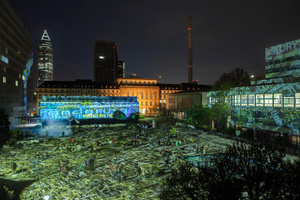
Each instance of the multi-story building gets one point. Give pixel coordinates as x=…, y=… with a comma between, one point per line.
x=145, y=89
x=45, y=59
x=120, y=73
x=271, y=106
x=150, y=95
x=105, y=61
x=16, y=81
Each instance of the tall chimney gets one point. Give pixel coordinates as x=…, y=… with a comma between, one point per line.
x=190, y=50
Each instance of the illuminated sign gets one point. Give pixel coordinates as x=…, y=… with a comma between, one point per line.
x=79, y=107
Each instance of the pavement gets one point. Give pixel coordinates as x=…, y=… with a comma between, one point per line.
x=136, y=172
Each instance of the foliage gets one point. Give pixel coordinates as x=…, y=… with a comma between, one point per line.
x=220, y=112
x=247, y=135
x=280, y=140
x=255, y=169
x=183, y=183
x=229, y=131
x=292, y=180
x=236, y=78
x=199, y=114
x=15, y=135
x=4, y=127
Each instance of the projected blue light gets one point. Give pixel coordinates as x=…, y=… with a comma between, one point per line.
x=60, y=108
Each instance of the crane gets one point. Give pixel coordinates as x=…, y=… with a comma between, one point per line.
x=159, y=76
x=133, y=74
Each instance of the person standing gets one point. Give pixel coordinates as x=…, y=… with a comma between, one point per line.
x=14, y=167
x=135, y=142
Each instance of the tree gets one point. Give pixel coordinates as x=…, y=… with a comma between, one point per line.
x=236, y=78
x=258, y=170
x=4, y=127
x=220, y=112
x=199, y=114
x=184, y=182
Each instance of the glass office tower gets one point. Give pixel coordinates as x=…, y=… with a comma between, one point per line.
x=45, y=59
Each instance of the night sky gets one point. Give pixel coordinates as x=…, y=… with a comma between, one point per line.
x=152, y=35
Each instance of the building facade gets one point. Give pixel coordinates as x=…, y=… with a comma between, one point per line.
x=45, y=59
x=120, y=69
x=105, y=61
x=150, y=95
x=16, y=81
x=270, y=106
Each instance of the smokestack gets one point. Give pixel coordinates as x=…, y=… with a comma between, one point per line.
x=190, y=50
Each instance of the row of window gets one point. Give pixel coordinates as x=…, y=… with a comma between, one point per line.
x=267, y=100
x=146, y=103
x=4, y=81
x=138, y=82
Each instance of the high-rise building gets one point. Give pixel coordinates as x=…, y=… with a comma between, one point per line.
x=16, y=81
x=45, y=59
x=105, y=61
x=120, y=69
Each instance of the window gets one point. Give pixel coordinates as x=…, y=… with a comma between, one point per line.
x=4, y=59
x=40, y=96
x=277, y=100
x=146, y=96
x=288, y=101
x=259, y=100
x=268, y=100
x=297, y=96
x=146, y=103
x=150, y=103
x=244, y=100
x=251, y=100
x=4, y=79
x=142, y=103
x=151, y=96
x=237, y=100
x=16, y=83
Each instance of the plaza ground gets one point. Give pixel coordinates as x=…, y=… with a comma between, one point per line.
x=109, y=178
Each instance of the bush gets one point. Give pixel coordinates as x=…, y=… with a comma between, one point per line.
x=279, y=140
x=246, y=135
x=229, y=131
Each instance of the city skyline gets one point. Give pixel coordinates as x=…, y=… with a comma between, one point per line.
x=152, y=36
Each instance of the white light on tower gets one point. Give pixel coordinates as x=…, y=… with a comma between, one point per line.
x=101, y=57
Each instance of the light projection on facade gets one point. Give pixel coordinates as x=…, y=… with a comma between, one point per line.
x=271, y=104
x=26, y=75
x=45, y=59
x=283, y=60
x=89, y=109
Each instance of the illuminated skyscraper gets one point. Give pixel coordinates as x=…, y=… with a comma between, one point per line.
x=105, y=61
x=45, y=59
